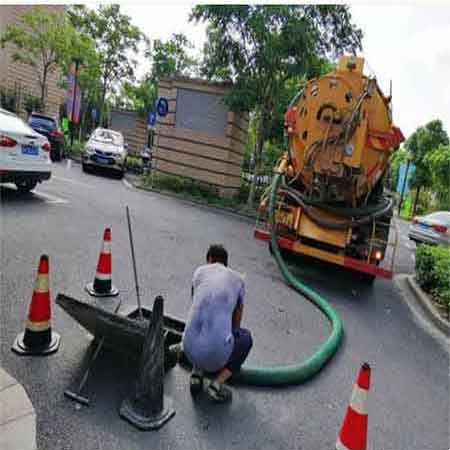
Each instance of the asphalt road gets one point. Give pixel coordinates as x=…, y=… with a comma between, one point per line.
x=409, y=397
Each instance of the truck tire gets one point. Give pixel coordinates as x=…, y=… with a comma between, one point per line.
x=367, y=278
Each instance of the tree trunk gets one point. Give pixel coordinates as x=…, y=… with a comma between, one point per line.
x=102, y=105
x=44, y=90
x=257, y=156
x=416, y=200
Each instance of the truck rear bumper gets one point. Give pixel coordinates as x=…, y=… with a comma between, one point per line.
x=335, y=258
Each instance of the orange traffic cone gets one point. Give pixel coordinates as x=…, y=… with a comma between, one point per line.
x=102, y=285
x=353, y=434
x=38, y=338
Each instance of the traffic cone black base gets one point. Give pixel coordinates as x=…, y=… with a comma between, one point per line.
x=20, y=348
x=144, y=423
x=147, y=408
x=113, y=292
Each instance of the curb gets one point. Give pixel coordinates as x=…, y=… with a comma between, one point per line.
x=17, y=415
x=428, y=306
x=231, y=212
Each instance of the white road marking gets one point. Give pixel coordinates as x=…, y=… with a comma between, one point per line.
x=413, y=256
x=50, y=198
x=69, y=164
x=410, y=245
x=127, y=184
x=69, y=180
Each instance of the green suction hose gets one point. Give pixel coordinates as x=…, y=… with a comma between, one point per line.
x=298, y=372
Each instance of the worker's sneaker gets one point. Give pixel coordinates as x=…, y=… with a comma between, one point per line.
x=176, y=351
x=219, y=393
x=196, y=384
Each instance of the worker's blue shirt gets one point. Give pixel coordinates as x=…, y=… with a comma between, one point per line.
x=208, y=339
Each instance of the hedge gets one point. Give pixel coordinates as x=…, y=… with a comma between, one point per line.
x=433, y=271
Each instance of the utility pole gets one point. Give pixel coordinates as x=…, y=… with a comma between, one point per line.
x=74, y=96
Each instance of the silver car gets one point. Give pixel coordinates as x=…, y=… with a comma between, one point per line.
x=105, y=148
x=433, y=228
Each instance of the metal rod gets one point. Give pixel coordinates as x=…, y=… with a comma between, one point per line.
x=77, y=395
x=134, y=265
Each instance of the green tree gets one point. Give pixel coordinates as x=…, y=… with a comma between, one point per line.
x=260, y=47
x=140, y=97
x=423, y=141
x=43, y=41
x=117, y=40
x=438, y=161
x=170, y=58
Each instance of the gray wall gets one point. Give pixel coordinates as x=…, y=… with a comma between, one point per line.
x=200, y=111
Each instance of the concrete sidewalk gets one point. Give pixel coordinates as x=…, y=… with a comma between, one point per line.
x=17, y=416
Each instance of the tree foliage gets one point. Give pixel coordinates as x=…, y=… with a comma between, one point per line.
x=140, y=97
x=438, y=161
x=423, y=141
x=117, y=40
x=260, y=47
x=45, y=40
x=170, y=58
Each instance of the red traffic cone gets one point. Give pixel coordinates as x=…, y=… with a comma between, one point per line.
x=38, y=338
x=353, y=434
x=102, y=285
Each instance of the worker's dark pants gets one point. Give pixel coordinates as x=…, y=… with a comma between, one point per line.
x=242, y=344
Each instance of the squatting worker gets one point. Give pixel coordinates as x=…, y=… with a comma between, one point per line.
x=213, y=340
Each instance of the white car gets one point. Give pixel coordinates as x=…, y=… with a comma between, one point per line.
x=105, y=148
x=24, y=154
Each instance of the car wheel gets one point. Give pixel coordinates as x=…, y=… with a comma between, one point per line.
x=25, y=186
x=58, y=153
x=120, y=174
x=84, y=167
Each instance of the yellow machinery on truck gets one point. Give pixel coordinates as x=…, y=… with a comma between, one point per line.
x=331, y=205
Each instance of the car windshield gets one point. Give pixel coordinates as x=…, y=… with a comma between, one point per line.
x=107, y=137
x=441, y=216
x=44, y=122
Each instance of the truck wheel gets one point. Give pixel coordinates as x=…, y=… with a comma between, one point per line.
x=367, y=278
x=25, y=186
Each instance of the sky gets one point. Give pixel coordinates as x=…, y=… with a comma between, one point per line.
x=408, y=43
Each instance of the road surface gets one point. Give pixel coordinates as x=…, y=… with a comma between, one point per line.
x=65, y=218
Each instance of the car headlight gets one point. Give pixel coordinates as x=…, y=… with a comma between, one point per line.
x=89, y=149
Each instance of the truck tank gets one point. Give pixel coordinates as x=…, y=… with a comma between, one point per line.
x=340, y=138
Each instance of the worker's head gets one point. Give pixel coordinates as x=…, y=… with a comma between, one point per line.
x=217, y=254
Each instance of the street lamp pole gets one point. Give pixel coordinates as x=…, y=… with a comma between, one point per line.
x=74, y=96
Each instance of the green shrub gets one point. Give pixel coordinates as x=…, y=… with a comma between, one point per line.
x=75, y=149
x=433, y=271
x=133, y=163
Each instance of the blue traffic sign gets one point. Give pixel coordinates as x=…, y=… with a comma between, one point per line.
x=152, y=118
x=162, y=106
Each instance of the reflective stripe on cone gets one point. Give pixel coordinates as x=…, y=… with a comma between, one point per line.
x=353, y=433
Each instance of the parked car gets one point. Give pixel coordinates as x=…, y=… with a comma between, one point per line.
x=48, y=127
x=433, y=228
x=105, y=148
x=24, y=154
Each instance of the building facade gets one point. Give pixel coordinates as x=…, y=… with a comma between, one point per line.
x=21, y=80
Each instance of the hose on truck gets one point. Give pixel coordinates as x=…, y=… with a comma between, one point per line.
x=302, y=370
x=342, y=225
